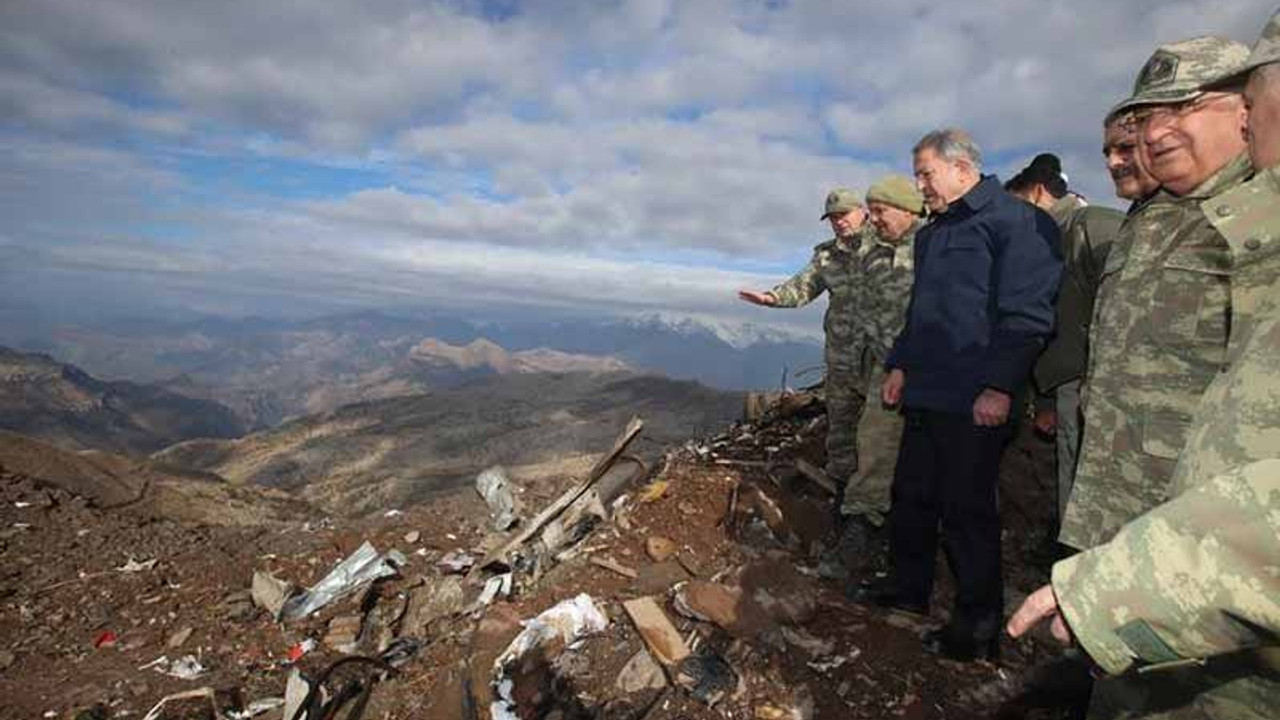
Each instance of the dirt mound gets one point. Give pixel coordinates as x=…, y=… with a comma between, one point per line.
x=720, y=539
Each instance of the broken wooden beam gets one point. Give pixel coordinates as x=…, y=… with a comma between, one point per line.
x=614, y=566
x=817, y=475
x=564, y=501
x=655, y=627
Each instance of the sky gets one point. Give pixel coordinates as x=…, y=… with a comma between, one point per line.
x=271, y=157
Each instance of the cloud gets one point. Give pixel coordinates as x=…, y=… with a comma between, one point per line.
x=640, y=153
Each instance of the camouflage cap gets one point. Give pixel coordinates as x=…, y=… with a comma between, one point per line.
x=1183, y=71
x=841, y=200
x=1267, y=49
x=898, y=191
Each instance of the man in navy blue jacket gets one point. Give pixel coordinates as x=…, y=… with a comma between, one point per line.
x=982, y=307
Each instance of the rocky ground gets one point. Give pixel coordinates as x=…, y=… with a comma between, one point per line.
x=723, y=535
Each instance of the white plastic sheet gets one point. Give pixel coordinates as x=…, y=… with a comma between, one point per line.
x=569, y=620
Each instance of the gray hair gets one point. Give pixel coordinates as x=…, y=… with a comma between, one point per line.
x=952, y=144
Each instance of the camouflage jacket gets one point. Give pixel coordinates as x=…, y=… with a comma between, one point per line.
x=1087, y=234
x=833, y=269
x=1199, y=576
x=1159, y=337
x=887, y=271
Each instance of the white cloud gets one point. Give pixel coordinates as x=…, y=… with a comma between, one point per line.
x=544, y=152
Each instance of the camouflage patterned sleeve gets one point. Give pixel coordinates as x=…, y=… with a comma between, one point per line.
x=1195, y=577
x=803, y=287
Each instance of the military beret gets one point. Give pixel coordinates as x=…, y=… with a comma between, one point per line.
x=898, y=191
x=1183, y=71
x=840, y=200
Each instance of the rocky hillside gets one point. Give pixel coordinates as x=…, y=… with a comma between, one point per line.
x=62, y=405
x=392, y=453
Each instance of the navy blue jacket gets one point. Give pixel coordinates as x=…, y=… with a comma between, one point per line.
x=987, y=274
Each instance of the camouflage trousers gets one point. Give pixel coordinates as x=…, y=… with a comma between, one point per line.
x=845, y=389
x=879, y=436
x=1239, y=686
x=1067, y=439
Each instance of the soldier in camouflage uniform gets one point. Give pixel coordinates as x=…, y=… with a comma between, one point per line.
x=885, y=275
x=1162, y=313
x=1087, y=234
x=833, y=270
x=1194, y=585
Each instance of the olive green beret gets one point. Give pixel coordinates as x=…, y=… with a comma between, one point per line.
x=898, y=191
x=840, y=200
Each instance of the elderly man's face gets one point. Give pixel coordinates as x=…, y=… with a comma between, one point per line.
x=889, y=221
x=1262, y=97
x=1183, y=144
x=1120, y=150
x=847, y=223
x=940, y=180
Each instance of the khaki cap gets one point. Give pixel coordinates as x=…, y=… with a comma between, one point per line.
x=1267, y=49
x=840, y=200
x=898, y=191
x=1183, y=71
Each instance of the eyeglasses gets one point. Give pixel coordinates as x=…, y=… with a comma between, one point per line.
x=1179, y=110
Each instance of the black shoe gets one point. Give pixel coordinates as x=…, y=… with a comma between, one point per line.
x=884, y=594
x=965, y=641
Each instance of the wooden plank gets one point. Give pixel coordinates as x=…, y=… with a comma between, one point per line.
x=655, y=627
x=613, y=565
x=817, y=475
x=564, y=501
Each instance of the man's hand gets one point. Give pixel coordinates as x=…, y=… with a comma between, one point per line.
x=1046, y=422
x=1039, y=606
x=891, y=389
x=758, y=298
x=991, y=409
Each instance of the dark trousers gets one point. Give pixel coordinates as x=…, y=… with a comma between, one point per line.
x=946, y=480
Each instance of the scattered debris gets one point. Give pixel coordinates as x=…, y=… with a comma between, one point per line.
x=709, y=602
x=256, y=708
x=360, y=568
x=567, y=622
x=105, y=639
x=614, y=566
x=133, y=566
x=653, y=491
x=412, y=537
x=300, y=649
x=498, y=585
x=204, y=692
x=818, y=476
x=495, y=488
x=655, y=627
x=706, y=676
x=177, y=639
x=660, y=548
x=641, y=672
x=186, y=667
x=456, y=561
x=270, y=593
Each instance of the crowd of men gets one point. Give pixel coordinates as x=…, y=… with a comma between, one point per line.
x=1150, y=344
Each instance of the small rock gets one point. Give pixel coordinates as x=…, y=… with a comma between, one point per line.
x=641, y=672
x=344, y=631
x=177, y=639
x=657, y=578
x=269, y=592
x=456, y=561
x=7, y=659
x=709, y=602
x=660, y=548
x=412, y=537
x=686, y=508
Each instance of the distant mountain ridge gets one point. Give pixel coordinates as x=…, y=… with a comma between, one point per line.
x=389, y=453
x=65, y=406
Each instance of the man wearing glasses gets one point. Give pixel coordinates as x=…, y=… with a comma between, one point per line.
x=1163, y=307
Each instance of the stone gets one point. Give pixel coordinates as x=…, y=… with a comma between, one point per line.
x=709, y=602
x=656, y=579
x=270, y=592
x=641, y=672
x=344, y=632
x=7, y=659
x=659, y=548
x=431, y=602
x=177, y=639
x=412, y=537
